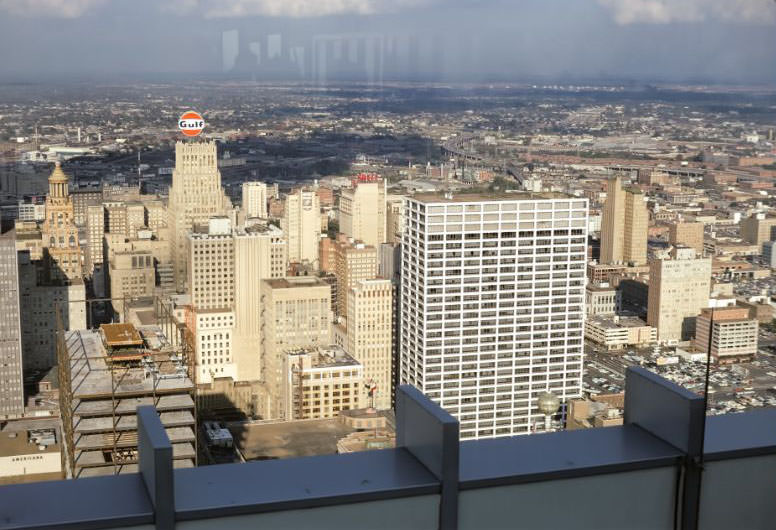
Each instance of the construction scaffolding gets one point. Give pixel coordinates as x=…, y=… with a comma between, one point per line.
x=106, y=372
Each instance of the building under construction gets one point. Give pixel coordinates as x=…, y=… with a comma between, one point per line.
x=105, y=374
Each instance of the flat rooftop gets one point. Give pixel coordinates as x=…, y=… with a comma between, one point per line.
x=296, y=282
x=501, y=196
x=290, y=439
x=623, y=322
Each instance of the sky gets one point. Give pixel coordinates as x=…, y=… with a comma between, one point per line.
x=725, y=41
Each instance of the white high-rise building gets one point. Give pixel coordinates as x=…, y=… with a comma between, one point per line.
x=492, y=305
x=254, y=199
x=302, y=225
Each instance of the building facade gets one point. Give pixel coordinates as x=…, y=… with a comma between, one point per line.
x=733, y=335
x=195, y=196
x=624, y=225
x=492, y=305
x=370, y=336
x=302, y=225
x=11, y=380
x=686, y=234
x=62, y=250
x=362, y=210
x=678, y=290
x=254, y=199
x=353, y=261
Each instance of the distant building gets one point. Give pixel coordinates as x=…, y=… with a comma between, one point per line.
x=254, y=199
x=602, y=299
x=394, y=218
x=678, y=290
x=362, y=210
x=616, y=333
x=320, y=382
x=769, y=254
x=733, y=335
x=687, y=234
x=195, y=196
x=354, y=261
x=757, y=229
x=624, y=225
x=302, y=225
x=62, y=250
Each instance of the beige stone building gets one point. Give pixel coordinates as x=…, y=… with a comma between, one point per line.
x=354, y=261
x=370, y=336
x=296, y=313
x=686, y=234
x=678, y=290
x=61, y=248
x=301, y=223
x=320, y=382
x=254, y=199
x=757, y=229
x=132, y=276
x=733, y=336
x=362, y=210
x=624, y=225
x=261, y=252
x=195, y=196
x=601, y=299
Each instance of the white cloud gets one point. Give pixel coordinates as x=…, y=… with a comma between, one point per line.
x=666, y=11
x=304, y=8
x=49, y=8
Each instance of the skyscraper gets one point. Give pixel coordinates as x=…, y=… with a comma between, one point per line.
x=624, y=225
x=11, y=381
x=370, y=336
x=302, y=225
x=362, y=210
x=254, y=199
x=678, y=290
x=492, y=305
x=62, y=254
x=195, y=196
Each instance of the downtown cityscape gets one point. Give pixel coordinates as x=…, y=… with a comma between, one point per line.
x=373, y=278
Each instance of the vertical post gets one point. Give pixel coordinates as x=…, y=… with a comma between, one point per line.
x=677, y=416
x=431, y=434
x=155, y=463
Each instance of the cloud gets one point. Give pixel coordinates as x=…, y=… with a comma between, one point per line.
x=761, y=12
x=49, y=8
x=305, y=8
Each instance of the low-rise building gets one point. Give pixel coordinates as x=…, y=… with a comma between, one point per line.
x=616, y=333
x=733, y=335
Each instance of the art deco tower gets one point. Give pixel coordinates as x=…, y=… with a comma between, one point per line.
x=60, y=235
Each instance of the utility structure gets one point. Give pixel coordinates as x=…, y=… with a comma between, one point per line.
x=105, y=374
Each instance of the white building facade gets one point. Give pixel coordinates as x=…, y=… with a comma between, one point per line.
x=492, y=305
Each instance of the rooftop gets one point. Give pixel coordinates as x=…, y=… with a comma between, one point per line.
x=502, y=196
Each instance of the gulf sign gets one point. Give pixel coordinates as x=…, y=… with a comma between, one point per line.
x=191, y=123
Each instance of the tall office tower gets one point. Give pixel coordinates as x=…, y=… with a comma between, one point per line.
x=302, y=225
x=296, y=313
x=62, y=254
x=254, y=199
x=353, y=261
x=11, y=380
x=211, y=287
x=260, y=253
x=758, y=229
x=115, y=217
x=624, y=225
x=136, y=219
x=370, y=336
x=95, y=230
x=362, y=210
x=678, y=290
x=492, y=305
x=733, y=335
x=195, y=196
x=394, y=218
x=686, y=234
